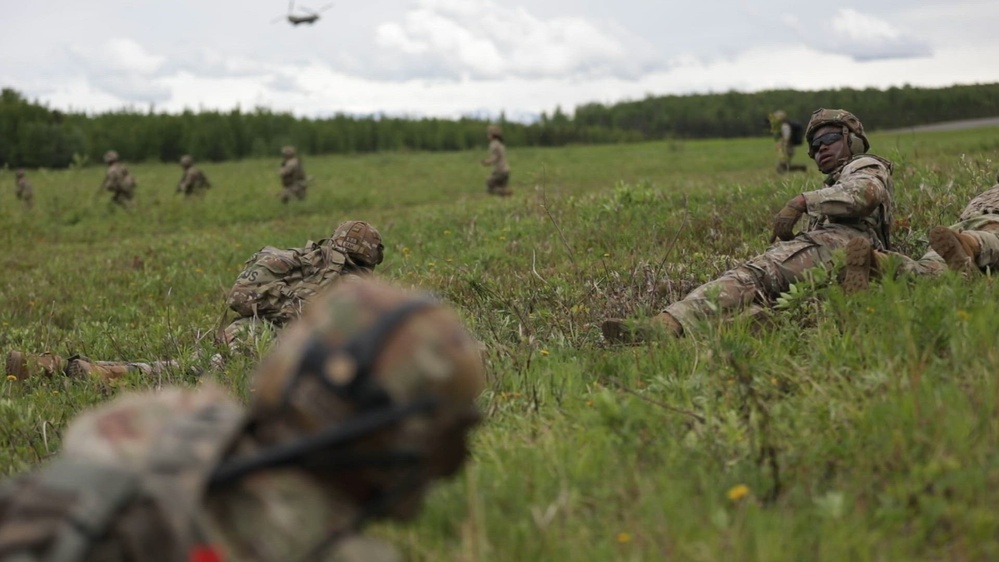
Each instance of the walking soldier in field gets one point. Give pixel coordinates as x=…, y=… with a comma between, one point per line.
x=361, y=408
x=970, y=246
x=24, y=190
x=855, y=201
x=193, y=181
x=788, y=134
x=118, y=180
x=498, y=182
x=293, y=179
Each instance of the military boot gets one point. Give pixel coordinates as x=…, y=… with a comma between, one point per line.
x=958, y=249
x=82, y=367
x=24, y=365
x=620, y=330
x=859, y=260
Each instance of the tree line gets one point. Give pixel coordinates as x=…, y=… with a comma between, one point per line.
x=34, y=135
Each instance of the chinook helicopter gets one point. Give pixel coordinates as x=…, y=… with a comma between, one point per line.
x=305, y=15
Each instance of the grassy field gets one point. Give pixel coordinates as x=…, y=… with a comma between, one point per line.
x=860, y=428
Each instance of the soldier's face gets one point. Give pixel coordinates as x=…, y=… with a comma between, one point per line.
x=831, y=147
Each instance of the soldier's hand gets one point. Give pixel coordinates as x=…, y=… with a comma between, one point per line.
x=788, y=217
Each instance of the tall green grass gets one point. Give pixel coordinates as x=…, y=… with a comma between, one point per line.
x=860, y=428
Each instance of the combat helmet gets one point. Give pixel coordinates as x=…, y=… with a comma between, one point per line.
x=19, y=173
x=288, y=151
x=110, y=156
x=494, y=131
x=186, y=161
x=360, y=241
x=852, y=127
x=372, y=392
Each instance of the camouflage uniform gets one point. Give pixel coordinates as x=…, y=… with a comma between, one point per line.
x=498, y=182
x=118, y=180
x=361, y=408
x=275, y=284
x=24, y=190
x=855, y=202
x=292, y=174
x=193, y=181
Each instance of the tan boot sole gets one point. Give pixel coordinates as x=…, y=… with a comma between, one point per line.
x=858, y=266
x=946, y=243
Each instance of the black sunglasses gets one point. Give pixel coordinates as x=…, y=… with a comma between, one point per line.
x=827, y=138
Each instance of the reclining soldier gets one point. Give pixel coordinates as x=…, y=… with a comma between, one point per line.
x=271, y=291
x=363, y=404
x=970, y=247
x=855, y=201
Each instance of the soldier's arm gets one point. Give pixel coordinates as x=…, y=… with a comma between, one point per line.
x=493, y=155
x=111, y=180
x=184, y=183
x=288, y=168
x=861, y=189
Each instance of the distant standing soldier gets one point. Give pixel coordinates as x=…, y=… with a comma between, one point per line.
x=193, y=181
x=355, y=415
x=24, y=190
x=118, y=180
x=498, y=182
x=293, y=177
x=788, y=134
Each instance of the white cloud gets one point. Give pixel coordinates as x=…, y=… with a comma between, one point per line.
x=483, y=39
x=865, y=38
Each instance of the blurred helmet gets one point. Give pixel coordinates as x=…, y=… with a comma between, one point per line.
x=186, y=161
x=379, y=385
x=852, y=126
x=288, y=151
x=779, y=115
x=19, y=173
x=360, y=241
x=494, y=131
x=110, y=156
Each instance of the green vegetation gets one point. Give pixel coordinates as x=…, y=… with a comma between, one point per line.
x=31, y=135
x=861, y=428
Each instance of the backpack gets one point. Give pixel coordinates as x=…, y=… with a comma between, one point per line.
x=75, y=509
x=797, y=133
x=275, y=283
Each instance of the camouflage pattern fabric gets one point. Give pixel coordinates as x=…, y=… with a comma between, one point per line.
x=498, y=181
x=293, y=179
x=193, y=182
x=25, y=192
x=121, y=182
x=856, y=202
x=986, y=203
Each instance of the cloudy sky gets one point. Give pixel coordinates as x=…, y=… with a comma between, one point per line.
x=478, y=57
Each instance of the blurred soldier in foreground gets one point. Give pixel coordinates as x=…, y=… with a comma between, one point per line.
x=270, y=292
x=193, y=181
x=118, y=180
x=498, y=182
x=855, y=201
x=293, y=180
x=365, y=403
x=24, y=190
x=971, y=246
x=788, y=134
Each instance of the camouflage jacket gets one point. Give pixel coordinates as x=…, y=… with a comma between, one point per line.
x=275, y=283
x=192, y=181
x=118, y=179
x=497, y=156
x=859, y=195
x=986, y=203
x=24, y=190
x=292, y=172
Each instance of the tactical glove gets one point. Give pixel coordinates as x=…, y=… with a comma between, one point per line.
x=787, y=217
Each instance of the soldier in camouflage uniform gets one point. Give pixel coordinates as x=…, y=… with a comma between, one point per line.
x=498, y=183
x=365, y=403
x=969, y=246
x=293, y=179
x=855, y=201
x=118, y=180
x=275, y=284
x=24, y=190
x=781, y=129
x=193, y=181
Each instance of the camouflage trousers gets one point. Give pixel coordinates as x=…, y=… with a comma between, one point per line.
x=498, y=183
x=984, y=229
x=763, y=278
x=123, y=198
x=293, y=191
x=248, y=332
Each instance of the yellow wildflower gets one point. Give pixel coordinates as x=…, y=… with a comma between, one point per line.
x=544, y=352
x=623, y=537
x=11, y=378
x=963, y=315
x=737, y=492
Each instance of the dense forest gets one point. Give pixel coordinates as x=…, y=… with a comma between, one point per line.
x=34, y=135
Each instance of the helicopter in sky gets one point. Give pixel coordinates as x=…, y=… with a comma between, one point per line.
x=305, y=15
